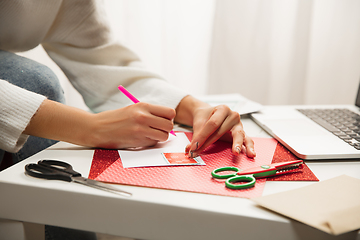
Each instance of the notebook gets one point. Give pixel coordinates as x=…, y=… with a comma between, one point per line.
x=315, y=132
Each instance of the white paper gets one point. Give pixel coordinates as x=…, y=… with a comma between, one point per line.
x=153, y=156
x=235, y=102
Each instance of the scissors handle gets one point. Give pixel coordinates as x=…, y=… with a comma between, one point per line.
x=52, y=170
x=248, y=179
x=233, y=170
x=233, y=178
x=59, y=166
x=40, y=171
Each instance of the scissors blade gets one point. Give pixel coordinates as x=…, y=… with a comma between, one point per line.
x=100, y=185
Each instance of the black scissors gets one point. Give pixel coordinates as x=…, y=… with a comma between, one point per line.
x=58, y=170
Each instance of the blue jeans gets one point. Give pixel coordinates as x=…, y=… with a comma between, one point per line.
x=34, y=77
x=38, y=78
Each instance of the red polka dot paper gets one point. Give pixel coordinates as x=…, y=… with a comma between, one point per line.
x=188, y=178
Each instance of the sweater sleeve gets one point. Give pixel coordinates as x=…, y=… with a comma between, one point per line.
x=17, y=108
x=80, y=42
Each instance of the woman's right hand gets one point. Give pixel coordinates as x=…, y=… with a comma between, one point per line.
x=137, y=125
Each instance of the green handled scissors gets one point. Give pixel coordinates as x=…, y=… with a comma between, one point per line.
x=249, y=176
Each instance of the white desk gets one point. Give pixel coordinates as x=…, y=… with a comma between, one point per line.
x=153, y=213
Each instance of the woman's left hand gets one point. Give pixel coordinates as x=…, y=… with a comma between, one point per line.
x=211, y=124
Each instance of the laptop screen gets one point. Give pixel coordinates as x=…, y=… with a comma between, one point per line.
x=357, y=102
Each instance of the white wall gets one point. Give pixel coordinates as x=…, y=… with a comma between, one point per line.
x=271, y=51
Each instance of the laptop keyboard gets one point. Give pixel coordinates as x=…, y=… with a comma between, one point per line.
x=341, y=122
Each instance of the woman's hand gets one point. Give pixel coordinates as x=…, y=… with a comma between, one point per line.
x=140, y=125
x=137, y=125
x=211, y=124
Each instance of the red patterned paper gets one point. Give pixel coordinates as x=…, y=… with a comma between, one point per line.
x=107, y=167
x=102, y=159
x=284, y=155
x=194, y=178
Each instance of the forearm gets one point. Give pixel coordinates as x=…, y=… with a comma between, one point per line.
x=137, y=125
x=57, y=121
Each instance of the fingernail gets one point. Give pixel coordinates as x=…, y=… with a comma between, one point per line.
x=238, y=149
x=193, y=154
x=197, y=146
x=253, y=151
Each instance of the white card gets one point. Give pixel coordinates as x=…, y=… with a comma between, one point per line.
x=153, y=156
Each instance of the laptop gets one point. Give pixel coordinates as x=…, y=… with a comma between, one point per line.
x=315, y=132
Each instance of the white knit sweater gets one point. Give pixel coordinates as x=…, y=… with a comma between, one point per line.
x=77, y=37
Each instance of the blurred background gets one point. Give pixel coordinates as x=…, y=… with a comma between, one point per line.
x=270, y=51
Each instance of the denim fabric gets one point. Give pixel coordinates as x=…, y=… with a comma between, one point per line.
x=34, y=77
x=38, y=78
